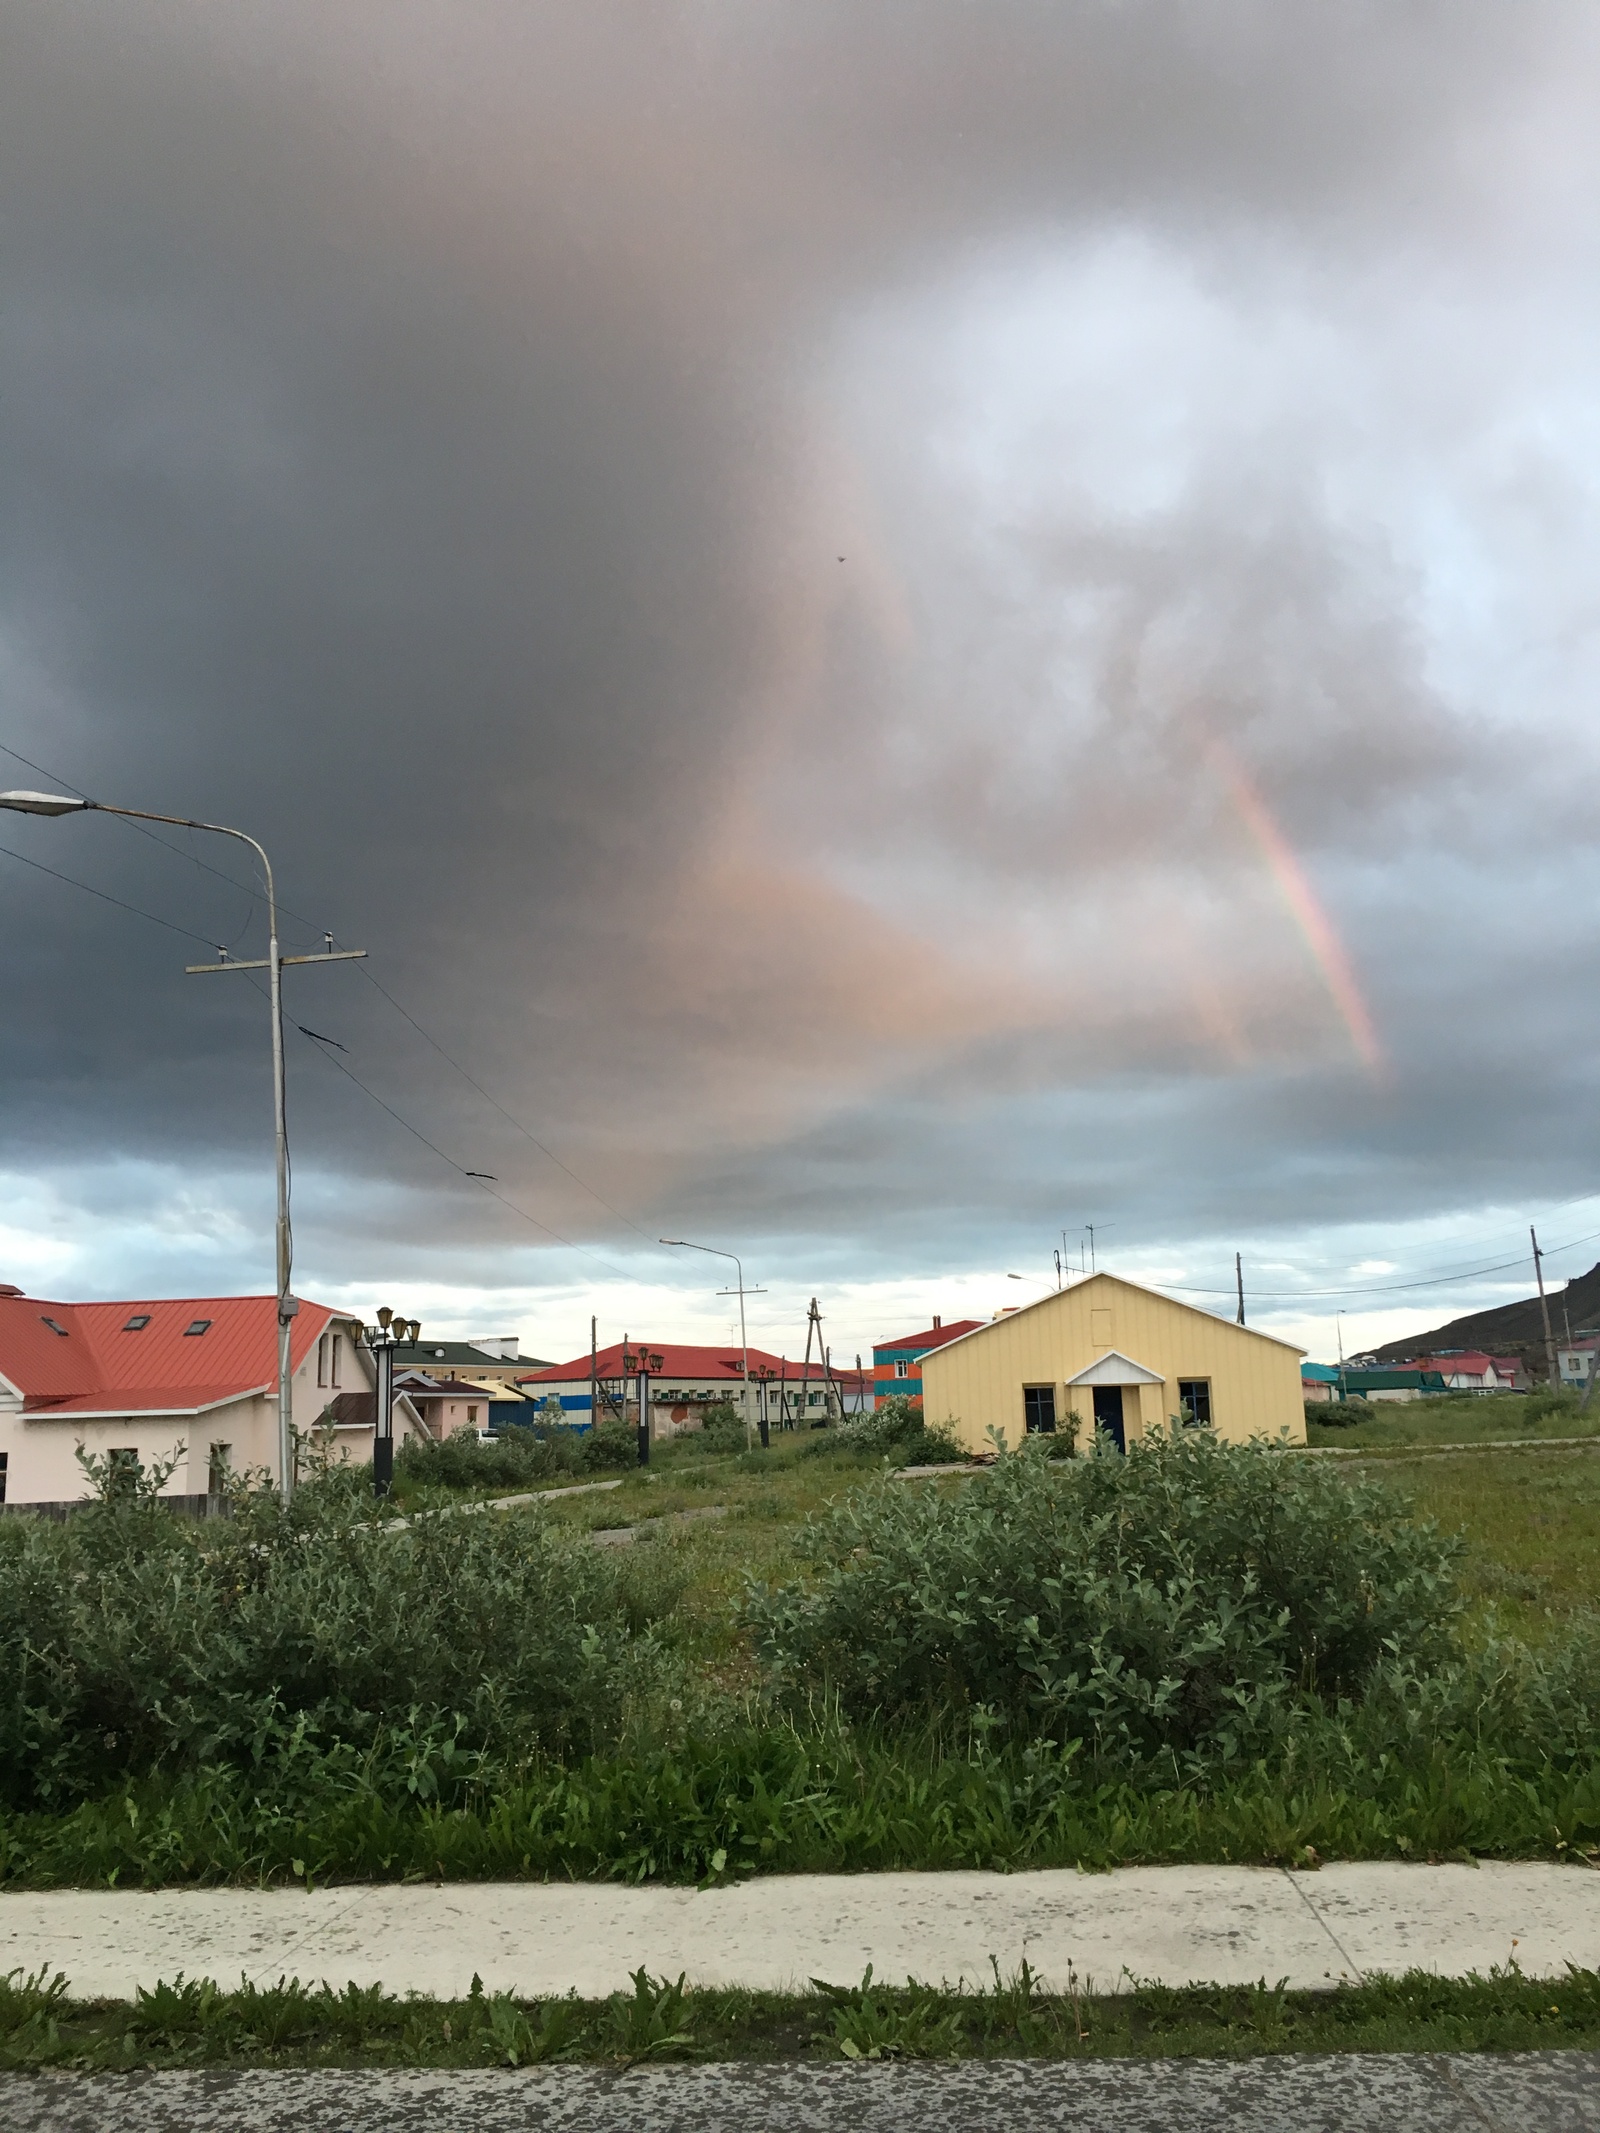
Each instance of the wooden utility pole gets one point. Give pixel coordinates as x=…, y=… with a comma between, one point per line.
x=1544, y=1310
x=1238, y=1275
x=594, y=1377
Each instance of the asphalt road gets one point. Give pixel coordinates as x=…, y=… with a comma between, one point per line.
x=1548, y=2092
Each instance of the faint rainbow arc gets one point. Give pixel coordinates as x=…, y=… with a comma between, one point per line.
x=1328, y=951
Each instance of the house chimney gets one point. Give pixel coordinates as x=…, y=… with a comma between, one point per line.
x=937, y=1322
x=7, y=1289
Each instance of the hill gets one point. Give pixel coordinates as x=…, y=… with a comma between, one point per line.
x=1508, y=1328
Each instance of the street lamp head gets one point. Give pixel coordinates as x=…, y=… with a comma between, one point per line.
x=42, y=803
x=670, y=1240
x=384, y=1316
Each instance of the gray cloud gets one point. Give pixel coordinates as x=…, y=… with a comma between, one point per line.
x=432, y=434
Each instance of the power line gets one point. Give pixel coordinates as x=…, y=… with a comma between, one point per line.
x=480, y=1178
x=73, y=883
x=427, y=1037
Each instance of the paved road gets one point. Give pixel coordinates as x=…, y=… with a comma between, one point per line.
x=1173, y=1925
x=1551, y=2092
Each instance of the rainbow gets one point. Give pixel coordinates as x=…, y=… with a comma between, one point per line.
x=1321, y=937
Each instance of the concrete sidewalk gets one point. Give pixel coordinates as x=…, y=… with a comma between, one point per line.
x=1172, y=1925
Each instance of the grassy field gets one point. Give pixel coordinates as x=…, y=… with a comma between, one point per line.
x=192, y=2023
x=1460, y=1418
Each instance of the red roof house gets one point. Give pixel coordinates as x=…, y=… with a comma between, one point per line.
x=148, y=1377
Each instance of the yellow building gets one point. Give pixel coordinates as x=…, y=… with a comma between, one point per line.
x=1125, y=1359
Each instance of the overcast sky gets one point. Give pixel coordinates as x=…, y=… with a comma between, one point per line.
x=901, y=627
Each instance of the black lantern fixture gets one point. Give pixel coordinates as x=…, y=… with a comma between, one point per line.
x=382, y=1339
x=643, y=1364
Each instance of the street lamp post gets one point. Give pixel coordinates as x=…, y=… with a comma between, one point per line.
x=682, y=1244
x=764, y=1374
x=383, y=1339
x=642, y=1363
x=49, y=803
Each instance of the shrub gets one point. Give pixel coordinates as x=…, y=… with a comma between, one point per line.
x=131, y=1641
x=522, y=1457
x=1175, y=1600
x=896, y=1429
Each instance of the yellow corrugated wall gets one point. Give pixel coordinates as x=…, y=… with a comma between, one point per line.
x=978, y=1381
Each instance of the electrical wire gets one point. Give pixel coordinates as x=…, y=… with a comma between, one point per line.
x=286, y=911
x=478, y=1177
x=321, y=1043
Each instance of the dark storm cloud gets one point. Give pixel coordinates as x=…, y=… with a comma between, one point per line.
x=431, y=435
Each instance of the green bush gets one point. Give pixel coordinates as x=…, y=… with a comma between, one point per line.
x=896, y=1429
x=131, y=1640
x=518, y=1458
x=1175, y=1601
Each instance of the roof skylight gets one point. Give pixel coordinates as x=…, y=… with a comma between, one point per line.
x=199, y=1325
x=54, y=1328
x=138, y=1322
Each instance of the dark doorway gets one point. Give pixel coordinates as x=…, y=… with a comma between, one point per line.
x=1108, y=1414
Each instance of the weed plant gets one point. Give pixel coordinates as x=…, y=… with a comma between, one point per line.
x=191, y=2022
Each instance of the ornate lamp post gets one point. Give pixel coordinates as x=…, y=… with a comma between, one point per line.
x=642, y=1363
x=763, y=1373
x=383, y=1339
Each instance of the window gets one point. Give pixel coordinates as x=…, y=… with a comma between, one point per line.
x=219, y=1468
x=199, y=1325
x=1194, y=1402
x=4, y=1456
x=1039, y=1408
x=902, y=1369
x=125, y=1469
x=322, y=1361
x=138, y=1322
x=336, y=1359
x=54, y=1328
x=472, y=1416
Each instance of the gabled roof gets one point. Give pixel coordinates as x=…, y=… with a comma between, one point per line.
x=1121, y=1281
x=934, y=1337
x=100, y=1362
x=1115, y=1368
x=692, y=1365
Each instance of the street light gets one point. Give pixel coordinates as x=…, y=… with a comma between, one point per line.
x=646, y=1363
x=682, y=1244
x=50, y=803
x=383, y=1339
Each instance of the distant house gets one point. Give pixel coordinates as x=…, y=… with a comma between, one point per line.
x=690, y=1380
x=1397, y=1384
x=1320, y=1381
x=897, y=1364
x=1126, y=1360
x=140, y=1380
x=491, y=1359
x=449, y=1403
x=1575, y=1360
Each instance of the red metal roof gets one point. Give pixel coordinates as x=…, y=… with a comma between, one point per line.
x=95, y=1363
x=708, y=1366
x=934, y=1337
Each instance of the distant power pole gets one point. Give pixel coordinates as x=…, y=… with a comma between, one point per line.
x=1544, y=1309
x=1238, y=1275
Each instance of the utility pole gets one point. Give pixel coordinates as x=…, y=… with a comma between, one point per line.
x=683, y=1244
x=594, y=1375
x=1238, y=1275
x=1344, y=1385
x=1057, y=1257
x=1089, y=1226
x=274, y=963
x=1544, y=1310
